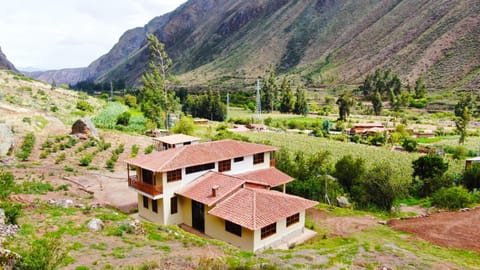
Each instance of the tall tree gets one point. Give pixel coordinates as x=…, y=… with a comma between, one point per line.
x=377, y=103
x=156, y=102
x=463, y=113
x=269, y=92
x=287, y=101
x=420, y=88
x=345, y=101
x=301, y=106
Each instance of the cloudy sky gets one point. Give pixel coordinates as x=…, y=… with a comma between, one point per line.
x=54, y=34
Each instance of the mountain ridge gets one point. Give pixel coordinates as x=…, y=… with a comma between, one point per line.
x=324, y=42
x=4, y=63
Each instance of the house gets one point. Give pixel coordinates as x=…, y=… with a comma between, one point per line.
x=174, y=141
x=229, y=190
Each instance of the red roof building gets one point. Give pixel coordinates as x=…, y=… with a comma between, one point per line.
x=222, y=189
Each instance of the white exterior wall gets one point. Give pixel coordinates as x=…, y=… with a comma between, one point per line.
x=283, y=233
x=148, y=214
x=169, y=192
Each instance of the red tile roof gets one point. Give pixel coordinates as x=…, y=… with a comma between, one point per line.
x=200, y=190
x=256, y=208
x=176, y=138
x=270, y=176
x=197, y=154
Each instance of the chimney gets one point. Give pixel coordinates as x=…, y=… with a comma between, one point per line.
x=214, y=190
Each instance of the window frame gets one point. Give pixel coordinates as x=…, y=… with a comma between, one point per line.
x=173, y=205
x=293, y=219
x=200, y=168
x=155, y=206
x=233, y=228
x=145, y=201
x=225, y=165
x=238, y=159
x=258, y=158
x=268, y=230
x=174, y=175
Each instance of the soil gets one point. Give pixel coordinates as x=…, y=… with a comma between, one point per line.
x=341, y=226
x=447, y=229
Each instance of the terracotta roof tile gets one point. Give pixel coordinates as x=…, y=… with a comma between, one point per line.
x=270, y=176
x=200, y=190
x=256, y=208
x=176, y=138
x=197, y=154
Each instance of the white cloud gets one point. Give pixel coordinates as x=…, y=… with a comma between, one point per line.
x=70, y=33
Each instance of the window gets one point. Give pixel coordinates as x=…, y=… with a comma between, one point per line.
x=187, y=143
x=238, y=159
x=147, y=176
x=155, y=206
x=173, y=205
x=258, y=158
x=174, y=175
x=199, y=168
x=293, y=219
x=145, y=202
x=224, y=166
x=233, y=228
x=268, y=230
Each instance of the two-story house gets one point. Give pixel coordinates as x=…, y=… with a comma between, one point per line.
x=220, y=188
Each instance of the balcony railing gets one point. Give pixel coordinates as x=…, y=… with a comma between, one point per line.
x=144, y=187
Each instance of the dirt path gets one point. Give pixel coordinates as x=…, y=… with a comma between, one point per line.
x=448, y=229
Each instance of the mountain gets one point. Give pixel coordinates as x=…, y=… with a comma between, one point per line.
x=323, y=42
x=4, y=63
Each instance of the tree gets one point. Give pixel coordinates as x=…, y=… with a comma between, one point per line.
x=420, y=88
x=286, y=101
x=269, y=92
x=463, y=114
x=349, y=171
x=377, y=103
x=184, y=126
x=301, y=106
x=378, y=185
x=156, y=102
x=428, y=174
x=345, y=101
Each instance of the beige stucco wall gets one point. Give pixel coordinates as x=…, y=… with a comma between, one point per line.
x=185, y=207
x=215, y=227
x=283, y=233
x=148, y=214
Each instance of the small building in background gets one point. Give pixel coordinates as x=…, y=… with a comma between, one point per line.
x=174, y=141
x=469, y=161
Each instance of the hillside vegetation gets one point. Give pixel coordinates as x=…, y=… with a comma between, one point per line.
x=324, y=43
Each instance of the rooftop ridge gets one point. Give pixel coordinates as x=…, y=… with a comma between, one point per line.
x=173, y=156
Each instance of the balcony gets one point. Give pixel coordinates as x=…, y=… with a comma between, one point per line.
x=143, y=187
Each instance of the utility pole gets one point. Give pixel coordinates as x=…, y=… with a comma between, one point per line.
x=259, y=103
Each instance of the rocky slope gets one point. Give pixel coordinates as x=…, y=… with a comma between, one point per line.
x=4, y=63
x=323, y=42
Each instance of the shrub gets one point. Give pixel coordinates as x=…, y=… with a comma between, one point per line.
x=26, y=147
x=452, y=198
x=185, y=126
x=86, y=159
x=149, y=149
x=7, y=184
x=110, y=164
x=471, y=177
x=83, y=105
x=410, y=144
x=60, y=158
x=12, y=211
x=48, y=252
x=120, y=149
x=123, y=119
x=459, y=152
x=135, y=149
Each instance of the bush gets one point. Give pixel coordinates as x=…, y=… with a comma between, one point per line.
x=7, y=184
x=110, y=164
x=123, y=119
x=83, y=105
x=135, y=149
x=60, y=158
x=48, y=252
x=459, y=152
x=410, y=144
x=119, y=149
x=149, y=149
x=86, y=160
x=184, y=126
x=12, y=211
x=26, y=147
x=452, y=198
x=471, y=177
